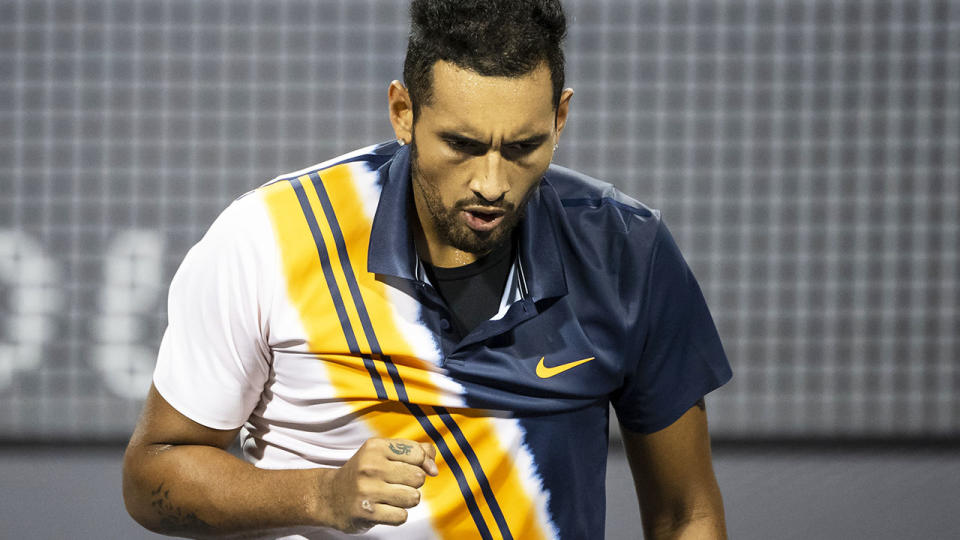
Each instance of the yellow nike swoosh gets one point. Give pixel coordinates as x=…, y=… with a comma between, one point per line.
x=545, y=372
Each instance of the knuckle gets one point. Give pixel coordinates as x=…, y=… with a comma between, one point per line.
x=374, y=443
x=367, y=469
x=417, y=451
x=370, y=465
x=419, y=478
x=365, y=489
x=411, y=498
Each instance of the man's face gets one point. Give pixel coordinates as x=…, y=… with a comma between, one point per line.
x=480, y=147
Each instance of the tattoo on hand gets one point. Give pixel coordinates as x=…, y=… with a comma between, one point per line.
x=173, y=518
x=400, y=449
x=702, y=404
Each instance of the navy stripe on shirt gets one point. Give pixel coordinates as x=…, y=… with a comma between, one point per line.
x=334, y=289
x=417, y=412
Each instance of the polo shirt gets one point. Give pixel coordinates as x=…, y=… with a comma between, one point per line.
x=305, y=317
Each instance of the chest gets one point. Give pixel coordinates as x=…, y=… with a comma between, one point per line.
x=533, y=358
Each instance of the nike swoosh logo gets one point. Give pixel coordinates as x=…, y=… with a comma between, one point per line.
x=545, y=372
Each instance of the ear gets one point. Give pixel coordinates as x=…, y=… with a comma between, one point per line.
x=563, y=108
x=401, y=111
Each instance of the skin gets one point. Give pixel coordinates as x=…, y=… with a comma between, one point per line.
x=178, y=478
x=482, y=144
x=673, y=475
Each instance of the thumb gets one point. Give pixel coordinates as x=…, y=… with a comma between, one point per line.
x=429, y=449
x=429, y=464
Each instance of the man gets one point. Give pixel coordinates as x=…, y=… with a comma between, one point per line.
x=421, y=339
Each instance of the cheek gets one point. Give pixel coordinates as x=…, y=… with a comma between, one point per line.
x=450, y=177
x=526, y=176
x=441, y=180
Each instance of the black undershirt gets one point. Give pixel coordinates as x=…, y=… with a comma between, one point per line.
x=473, y=292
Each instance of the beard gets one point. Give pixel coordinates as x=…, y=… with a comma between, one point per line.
x=448, y=222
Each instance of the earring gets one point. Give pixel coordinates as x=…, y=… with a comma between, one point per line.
x=401, y=142
x=556, y=146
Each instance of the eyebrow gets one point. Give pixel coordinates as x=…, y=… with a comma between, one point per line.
x=532, y=140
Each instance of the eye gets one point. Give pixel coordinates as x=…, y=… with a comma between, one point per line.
x=520, y=150
x=465, y=146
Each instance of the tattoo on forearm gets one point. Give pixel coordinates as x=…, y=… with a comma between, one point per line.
x=400, y=448
x=174, y=518
x=702, y=404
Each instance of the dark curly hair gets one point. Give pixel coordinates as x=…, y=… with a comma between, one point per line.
x=491, y=37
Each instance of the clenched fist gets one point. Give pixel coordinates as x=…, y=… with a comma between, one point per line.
x=378, y=484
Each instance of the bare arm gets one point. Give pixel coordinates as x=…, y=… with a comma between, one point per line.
x=676, y=486
x=178, y=479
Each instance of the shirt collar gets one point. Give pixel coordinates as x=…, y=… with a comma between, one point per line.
x=540, y=264
x=392, y=250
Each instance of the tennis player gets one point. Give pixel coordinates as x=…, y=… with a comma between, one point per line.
x=422, y=338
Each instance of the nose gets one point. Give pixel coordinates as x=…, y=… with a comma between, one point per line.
x=490, y=181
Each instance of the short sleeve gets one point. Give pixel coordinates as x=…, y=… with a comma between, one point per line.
x=679, y=357
x=214, y=358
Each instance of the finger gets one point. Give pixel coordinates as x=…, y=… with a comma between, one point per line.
x=429, y=464
x=404, y=450
x=398, y=495
x=404, y=474
x=386, y=514
x=429, y=449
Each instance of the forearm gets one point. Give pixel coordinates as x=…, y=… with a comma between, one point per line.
x=676, y=487
x=205, y=491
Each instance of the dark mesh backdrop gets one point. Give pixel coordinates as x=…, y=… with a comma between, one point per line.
x=806, y=155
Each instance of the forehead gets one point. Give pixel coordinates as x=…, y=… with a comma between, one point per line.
x=489, y=105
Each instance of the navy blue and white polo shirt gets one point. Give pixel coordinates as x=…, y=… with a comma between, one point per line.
x=304, y=315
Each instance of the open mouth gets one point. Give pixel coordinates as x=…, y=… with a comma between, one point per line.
x=483, y=219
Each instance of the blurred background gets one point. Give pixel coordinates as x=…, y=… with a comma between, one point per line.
x=805, y=154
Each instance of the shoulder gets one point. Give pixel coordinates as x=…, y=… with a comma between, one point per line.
x=591, y=207
x=243, y=222
x=238, y=245
x=249, y=228
x=352, y=183
x=607, y=240
x=370, y=158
